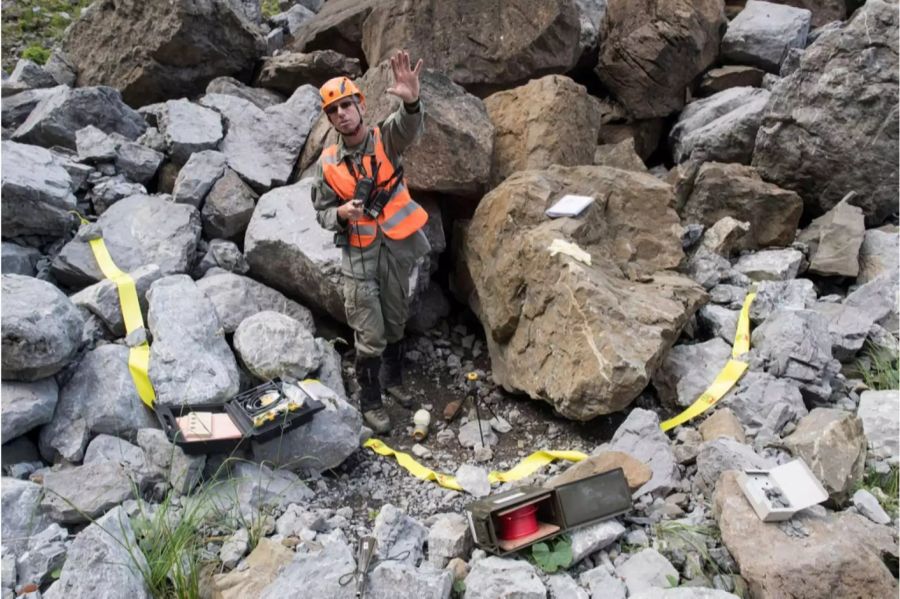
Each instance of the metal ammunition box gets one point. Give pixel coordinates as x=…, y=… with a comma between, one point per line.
x=560, y=509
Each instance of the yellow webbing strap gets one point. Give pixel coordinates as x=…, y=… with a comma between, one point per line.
x=727, y=377
x=138, y=356
x=524, y=468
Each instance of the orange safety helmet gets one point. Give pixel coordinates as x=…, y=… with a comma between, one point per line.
x=337, y=88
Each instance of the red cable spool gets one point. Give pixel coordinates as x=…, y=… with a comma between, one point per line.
x=518, y=523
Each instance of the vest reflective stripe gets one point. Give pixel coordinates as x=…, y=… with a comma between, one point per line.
x=400, y=217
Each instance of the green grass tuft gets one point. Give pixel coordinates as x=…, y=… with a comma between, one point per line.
x=878, y=367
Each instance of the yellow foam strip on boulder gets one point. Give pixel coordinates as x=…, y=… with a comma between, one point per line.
x=524, y=468
x=727, y=377
x=138, y=356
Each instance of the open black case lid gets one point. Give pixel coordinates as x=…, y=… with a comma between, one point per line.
x=597, y=497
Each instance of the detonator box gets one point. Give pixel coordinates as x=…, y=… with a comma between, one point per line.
x=550, y=511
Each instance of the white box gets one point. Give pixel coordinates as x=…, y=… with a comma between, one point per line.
x=793, y=484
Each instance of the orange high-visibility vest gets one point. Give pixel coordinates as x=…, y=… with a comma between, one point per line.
x=401, y=216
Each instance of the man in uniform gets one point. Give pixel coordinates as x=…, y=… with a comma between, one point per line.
x=360, y=194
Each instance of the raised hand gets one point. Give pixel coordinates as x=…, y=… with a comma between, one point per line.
x=406, y=80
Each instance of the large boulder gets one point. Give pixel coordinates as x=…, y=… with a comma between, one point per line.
x=652, y=50
x=102, y=299
x=154, y=51
x=26, y=405
x=288, y=250
x=137, y=230
x=36, y=192
x=565, y=302
x=16, y=108
x=190, y=362
x=480, y=45
x=838, y=105
x=494, y=577
x=289, y=70
x=22, y=512
x=453, y=155
x=258, y=95
x=531, y=131
x=763, y=33
x=83, y=493
x=236, y=298
x=262, y=146
x=18, y=259
x=688, y=369
x=840, y=555
x=738, y=191
x=834, y=241
x=338, y=27
x=764, y=404
x=880, y=415
x=878, y=254
x=833, y=444
x=270, y=345
x=56, y=119
x=823, y=11
x=640, y=436
x=99, y=398
x=228, y=208
x=187, y=128
x=41, y=328
x=722, y=127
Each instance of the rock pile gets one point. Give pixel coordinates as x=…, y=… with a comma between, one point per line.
x=730, y=148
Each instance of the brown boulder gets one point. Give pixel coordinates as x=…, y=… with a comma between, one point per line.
x=338, y=27
x=153, y=50
x=453, y=154
x=636, y=472
x=620, y=155
x=551, y=120
x=840, y=556
x=651, y=50
x=583, y=337
x=737, y=190
x=288, y=71
x=483, y=45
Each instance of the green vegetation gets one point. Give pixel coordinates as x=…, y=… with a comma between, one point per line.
x=552, y=555
x=877, y=366
x=270, y=8
x=885, y=487
x=31, y=27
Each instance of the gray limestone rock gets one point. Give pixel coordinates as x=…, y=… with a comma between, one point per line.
x=106, y=448
x=15, y=109
x=834, y=239
x=228, y=208
x=323, y=443
x=603, y=584
x=46, y=553
x=190, y=361
x=709, y=269
x=36, y=192
x=398, y=580
x=399, y=535
x=772, y=296
x=197, y=177
x=317, y=570
x=878, y=298
x=262, y=146
x=189, y=128
x=494, y=577
x=94, y=145
x=26, y=406
x=869, y=507
x=880, y=415
x=221, y=255
x=473, y=480
x=41, y=328
x=169, y=462
x=234, y=548
x=796, y=344
x=645, y=569
x=102, y=299
x=108, y=191
x=763, y=32
x=99, y=565
x=563, y=586
x=683, y=593
x=723, y=454
x=55, y=120
x=848, y=327
x=833, y=445
x=31, y=74
x=23, y=515
x=291, y=20
x=719, y=321
x=271, y=344
x=641, y=437
x=236, y=297
x=137, y=230
x=18, y=259
x=83, y=493
x=137, y=161
x=469, y=435
x=250, y=489
x=590, y=539
x=770, y=265
x=764, y=404
x=61, y=68
x=878, y=254
x=259, y=96
x=448, y=537
x=289, y=251
x=721, y=127
x=689, y=369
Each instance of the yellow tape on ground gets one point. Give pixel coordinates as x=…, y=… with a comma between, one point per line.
x=727, y=377
x=524, y=468
x=138, y=356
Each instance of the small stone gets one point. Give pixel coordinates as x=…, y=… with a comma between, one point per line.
x=474, y=480
x=483, y=454
x=234, y=548
x=421, y=451
x=869, y=507
x=722, y=423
